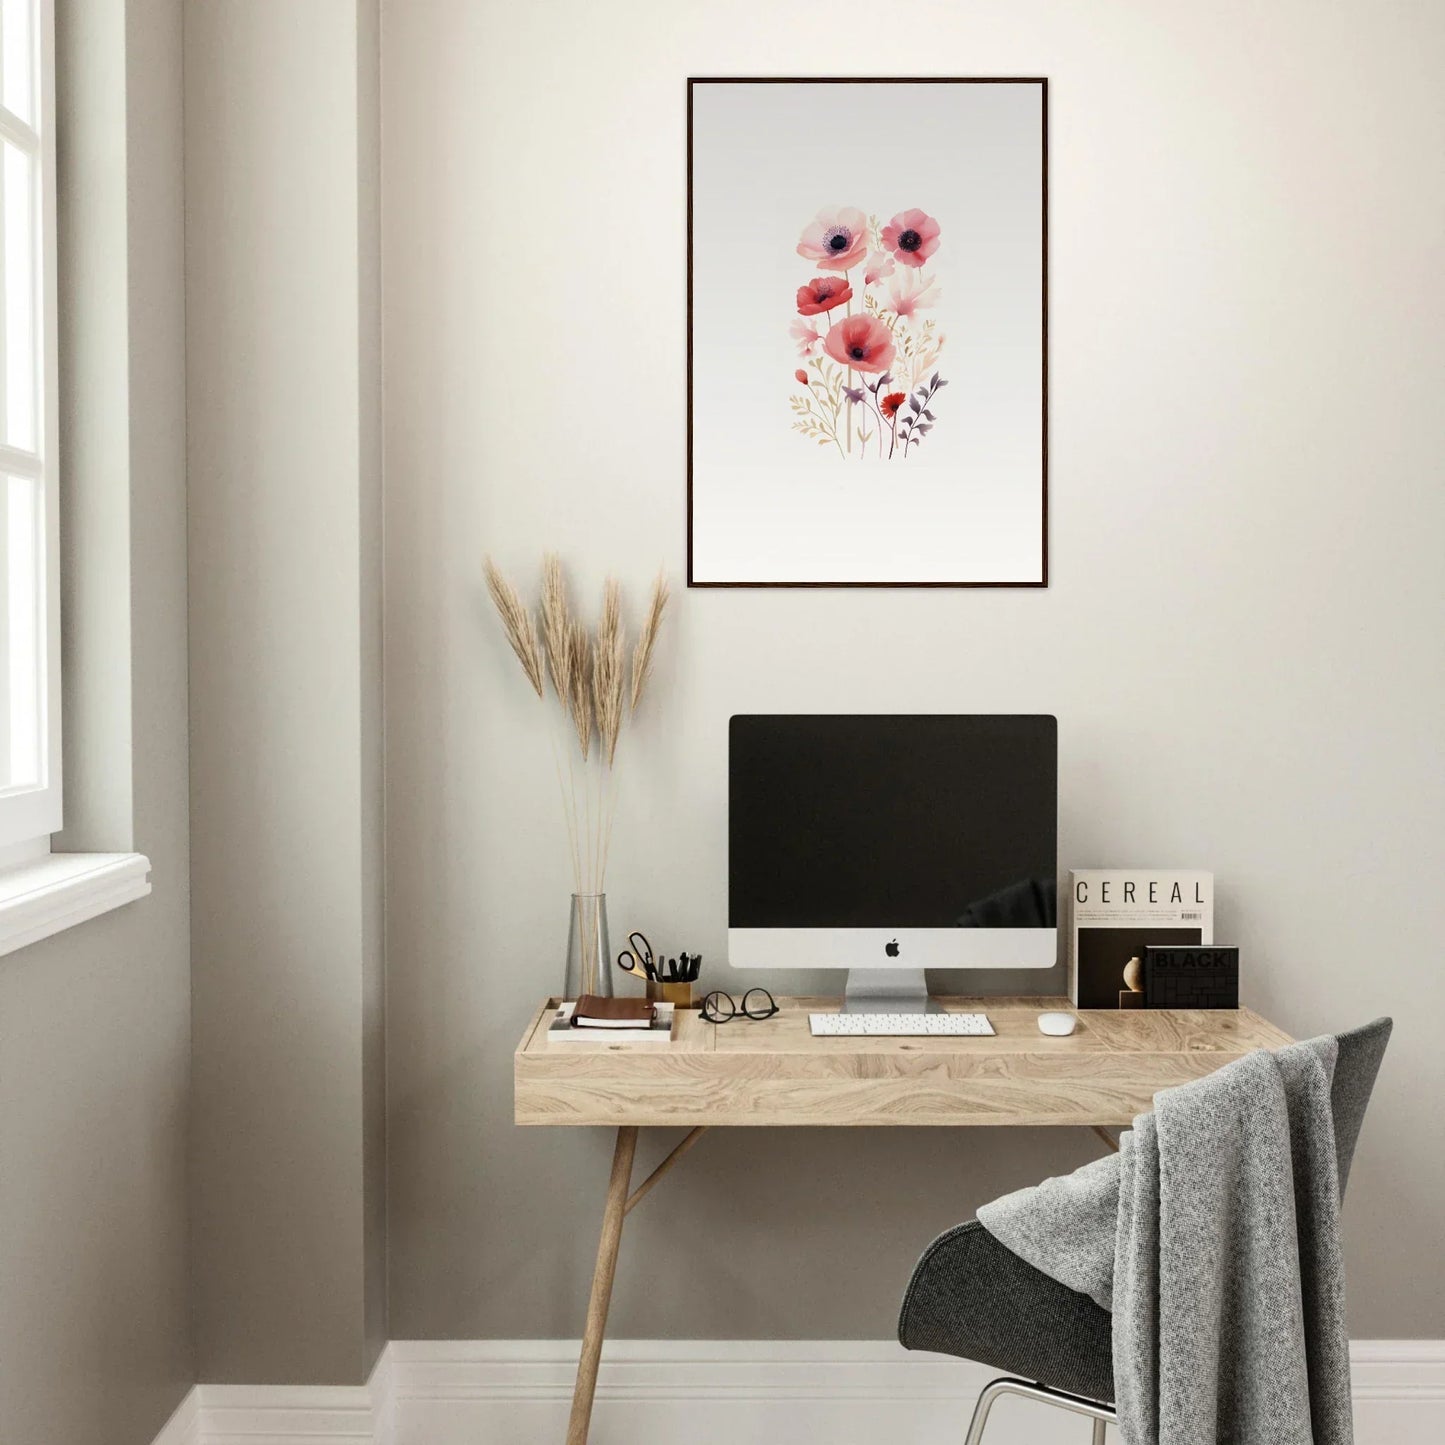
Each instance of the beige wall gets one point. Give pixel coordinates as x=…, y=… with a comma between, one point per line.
x=285, y=635
x=1241, y=640
x=94, y=1022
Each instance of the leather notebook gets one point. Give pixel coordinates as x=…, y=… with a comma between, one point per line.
x=593, y=1012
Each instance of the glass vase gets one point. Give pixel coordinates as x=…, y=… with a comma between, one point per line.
x=589, y=955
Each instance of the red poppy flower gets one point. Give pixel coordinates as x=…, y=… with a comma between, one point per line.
x=912, y=236
x=823, y=294
x=890, y=403
x=862, y=342
x=801, y=375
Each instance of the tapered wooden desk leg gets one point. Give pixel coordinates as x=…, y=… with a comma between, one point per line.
x=612, y=1214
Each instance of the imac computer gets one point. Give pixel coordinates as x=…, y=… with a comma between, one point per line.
x=887, y=845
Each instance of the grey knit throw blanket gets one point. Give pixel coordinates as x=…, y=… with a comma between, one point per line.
x=1213, y=1236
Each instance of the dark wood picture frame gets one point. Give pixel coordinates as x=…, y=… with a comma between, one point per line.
x=1043, y=84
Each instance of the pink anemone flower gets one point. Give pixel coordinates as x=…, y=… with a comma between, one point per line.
x=878, y=265
x=862, y=342
x=836, y=240
x=907, y=293
x=806, y=336
x=822, y=294
x=912, y=236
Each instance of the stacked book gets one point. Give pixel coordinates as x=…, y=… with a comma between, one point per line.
x=1119, y=915
x=611, y=1021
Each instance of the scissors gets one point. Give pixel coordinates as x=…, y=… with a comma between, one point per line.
x=637, y=958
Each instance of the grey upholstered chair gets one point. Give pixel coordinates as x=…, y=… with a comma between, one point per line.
x=972, y=1297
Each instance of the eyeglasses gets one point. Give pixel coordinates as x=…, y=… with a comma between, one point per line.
x=718, y=1007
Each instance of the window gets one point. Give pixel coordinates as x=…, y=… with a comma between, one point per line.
x=41, y=893
x=30, y=803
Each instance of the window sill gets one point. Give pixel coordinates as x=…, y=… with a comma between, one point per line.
x=63, y=889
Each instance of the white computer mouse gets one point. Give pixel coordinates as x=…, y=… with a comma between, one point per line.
x=1057, y=1024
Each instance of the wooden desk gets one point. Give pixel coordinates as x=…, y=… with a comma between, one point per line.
x=772, y=1073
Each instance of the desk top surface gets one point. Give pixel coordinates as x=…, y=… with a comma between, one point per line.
x=773, y=1072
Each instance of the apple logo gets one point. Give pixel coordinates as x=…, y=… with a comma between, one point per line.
x=891, y=948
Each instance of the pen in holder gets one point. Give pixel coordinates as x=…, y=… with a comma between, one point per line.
x=668, y=980
x=675, y=979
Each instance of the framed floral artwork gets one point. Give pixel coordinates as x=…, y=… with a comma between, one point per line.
x=867, y=333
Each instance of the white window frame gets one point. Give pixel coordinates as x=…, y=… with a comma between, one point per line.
x=42, y=892
x=29, y=815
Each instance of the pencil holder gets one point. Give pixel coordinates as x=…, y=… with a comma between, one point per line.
x=678, y=994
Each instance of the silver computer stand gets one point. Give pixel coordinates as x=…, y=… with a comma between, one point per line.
x=887, y=991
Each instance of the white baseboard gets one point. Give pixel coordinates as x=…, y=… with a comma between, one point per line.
x=1399, y=1391
x=700, y=1392
x=288, y=1415
x=714, y=1392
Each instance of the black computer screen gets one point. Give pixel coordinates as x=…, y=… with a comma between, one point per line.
x=892, y=822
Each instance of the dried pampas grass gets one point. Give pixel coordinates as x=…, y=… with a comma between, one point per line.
x=555, y=618
x=517, y=624
x=607, y=670
x=647, y=639
x=579, y=685
x=589, y=678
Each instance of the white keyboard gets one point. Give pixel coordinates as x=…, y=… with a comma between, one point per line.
x=899, y=1026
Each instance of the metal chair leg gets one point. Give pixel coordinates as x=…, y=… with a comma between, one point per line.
x=980, y=1410
x=1102, y=1415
